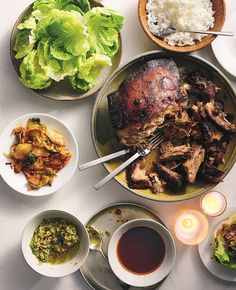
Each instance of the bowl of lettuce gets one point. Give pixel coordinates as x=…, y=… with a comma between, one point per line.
x=65, y=49
x=225, y=242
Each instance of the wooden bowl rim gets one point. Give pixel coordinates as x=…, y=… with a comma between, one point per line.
x=181, y=49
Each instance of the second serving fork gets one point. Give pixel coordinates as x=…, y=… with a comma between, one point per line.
x=140, y=152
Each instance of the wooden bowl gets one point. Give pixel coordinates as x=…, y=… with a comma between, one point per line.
x=220, y=11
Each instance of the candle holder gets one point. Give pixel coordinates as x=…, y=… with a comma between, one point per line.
x=213, y=203
x=191, y=227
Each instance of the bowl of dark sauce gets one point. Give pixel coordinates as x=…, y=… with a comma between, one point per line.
x=141, y=252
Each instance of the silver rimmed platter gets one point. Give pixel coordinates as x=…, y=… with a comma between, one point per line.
x=62, y=91
x=96, y=270
x=104, y=137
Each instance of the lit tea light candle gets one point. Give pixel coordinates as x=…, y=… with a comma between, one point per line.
x=213, y=203
x=191, y=227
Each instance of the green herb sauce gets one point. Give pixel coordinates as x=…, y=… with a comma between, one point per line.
x=55, y=241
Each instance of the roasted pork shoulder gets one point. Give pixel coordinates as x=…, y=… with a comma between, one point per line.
x=173, y=153
x=218, y=117
x=199, y=83
x=173, y=179
x=193, y=163
x=144, y=99
x=188, y=112
x=137, y=175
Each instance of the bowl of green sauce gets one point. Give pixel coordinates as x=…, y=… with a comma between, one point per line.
x=55, y=243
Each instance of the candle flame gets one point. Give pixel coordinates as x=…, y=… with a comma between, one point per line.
x=191, y=227
x=188, y=223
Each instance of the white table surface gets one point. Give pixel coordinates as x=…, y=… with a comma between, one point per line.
x=79, y=196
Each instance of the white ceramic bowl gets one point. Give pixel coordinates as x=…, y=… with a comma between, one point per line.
x=57, y=270
x=142, y=280
x=17, y=180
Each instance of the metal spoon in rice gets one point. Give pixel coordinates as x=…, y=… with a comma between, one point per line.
x=172, y=30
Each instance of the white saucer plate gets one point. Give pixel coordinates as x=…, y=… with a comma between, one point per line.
x=224, y=48
x=206, y=249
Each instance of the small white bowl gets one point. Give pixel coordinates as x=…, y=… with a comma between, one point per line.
x=142, y=280
x=57, y=270
x=17, y=180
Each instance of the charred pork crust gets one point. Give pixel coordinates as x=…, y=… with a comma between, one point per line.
x=215, y=152
x=173, y=179
x=193, y=163
x=210, y=133
x=158, y=185
x=218, y=117
x=137, y=175
x=213, y=112
x=148, y=91
x=212, y=173
x=202, y=85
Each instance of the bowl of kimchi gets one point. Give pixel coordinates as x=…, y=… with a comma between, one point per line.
x=38, y=155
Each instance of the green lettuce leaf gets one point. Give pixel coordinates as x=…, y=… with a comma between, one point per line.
x=29, y=23
x=62, y=37
x=103, y=26
x=81, y=6
x=225, y=256
x=66, y=39
x=220, y=251
x=88, y=71
x=68, y=32
x=22, y=44
x=32, y=76
x=57, y=50
x=25, y=38
x=54, y=68
x=41, y=32
x=222, y=254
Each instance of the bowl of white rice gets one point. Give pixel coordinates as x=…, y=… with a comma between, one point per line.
x=156, y=16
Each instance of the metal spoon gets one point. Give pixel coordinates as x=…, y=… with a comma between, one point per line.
x=172, y=30
x=96, y=245
x=95, y=241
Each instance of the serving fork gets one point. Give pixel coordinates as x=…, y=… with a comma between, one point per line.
x=114, y=155
x=105, y=158
x=142, y=151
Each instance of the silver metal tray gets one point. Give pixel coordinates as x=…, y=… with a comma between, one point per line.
x=96, y=271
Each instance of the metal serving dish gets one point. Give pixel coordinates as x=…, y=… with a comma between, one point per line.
x=103, y=134
x=96, y=270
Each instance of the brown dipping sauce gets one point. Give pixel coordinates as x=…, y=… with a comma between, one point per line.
x=141, y=250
